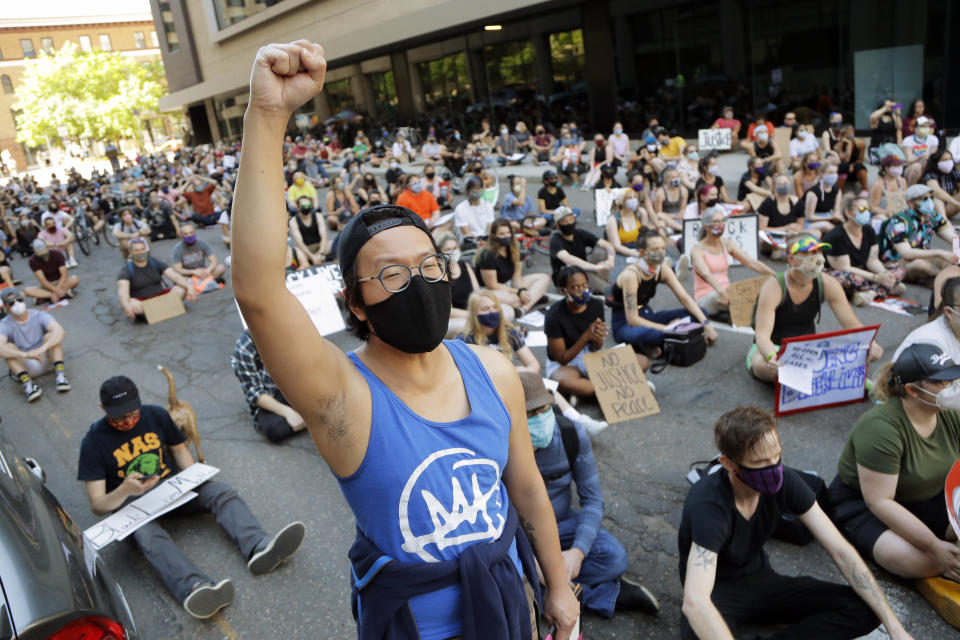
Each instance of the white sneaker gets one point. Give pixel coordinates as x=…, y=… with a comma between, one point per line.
x=592, y=426
x=683, y=267
x=652, y=386
x=72, y=263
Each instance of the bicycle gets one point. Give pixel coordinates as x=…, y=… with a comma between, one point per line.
x=83, y=231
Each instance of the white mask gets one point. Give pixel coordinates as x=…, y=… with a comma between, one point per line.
x=18, y=308
x=811, y=266
x=454, y=256
x=631, y=203
x=946, y=398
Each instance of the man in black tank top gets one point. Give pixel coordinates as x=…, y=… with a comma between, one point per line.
x=789, y=305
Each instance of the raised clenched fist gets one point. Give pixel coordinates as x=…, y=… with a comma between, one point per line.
x=284, y=77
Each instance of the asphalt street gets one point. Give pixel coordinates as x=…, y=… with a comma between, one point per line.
x=642, y=463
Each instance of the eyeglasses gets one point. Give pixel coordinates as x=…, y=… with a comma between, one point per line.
x=125, y=418
x=395, y=278
x=11, y=301
x=862, y=209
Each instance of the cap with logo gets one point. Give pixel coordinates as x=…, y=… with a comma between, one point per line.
x=119, y=396
x=534, y=391
x=924, y=362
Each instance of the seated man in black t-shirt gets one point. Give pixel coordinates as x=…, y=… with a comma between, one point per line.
x=729, y=515
x=49, y=266
x=127, y=453
x=142, y=278
x=551, y=197
x=569, y=245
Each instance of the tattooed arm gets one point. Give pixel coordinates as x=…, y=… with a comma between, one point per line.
x=853, y=568
x=697, y=587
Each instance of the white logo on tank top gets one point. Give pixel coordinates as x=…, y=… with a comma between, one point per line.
x=466, y=475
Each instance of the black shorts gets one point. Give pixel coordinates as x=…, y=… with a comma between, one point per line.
x=855, y=520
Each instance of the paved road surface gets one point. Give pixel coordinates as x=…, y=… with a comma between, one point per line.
x=642, y=464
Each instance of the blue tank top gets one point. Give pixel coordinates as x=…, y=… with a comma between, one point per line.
x=426, y=490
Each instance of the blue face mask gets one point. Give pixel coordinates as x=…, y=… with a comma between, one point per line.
x=926, y=207
x=863, y=218
x=491, y=320
x=542, y=427
x=582, y=298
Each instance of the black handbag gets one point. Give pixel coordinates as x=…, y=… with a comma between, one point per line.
x=683, y=345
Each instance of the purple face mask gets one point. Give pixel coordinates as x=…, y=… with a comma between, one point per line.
x=762, y=479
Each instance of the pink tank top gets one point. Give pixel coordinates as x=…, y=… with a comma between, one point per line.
x=719, y=269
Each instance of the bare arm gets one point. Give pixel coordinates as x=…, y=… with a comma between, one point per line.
x=528, y=361
x=701, y=613
x=278, y=87
x=103, y=503
x=853, y=568
x=746, y=259
x=703, y=270
x=766, y=309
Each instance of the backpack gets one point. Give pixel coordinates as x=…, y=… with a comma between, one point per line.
x=150, y=261
x=571, y=444
x=683, y=345
x=883, y=242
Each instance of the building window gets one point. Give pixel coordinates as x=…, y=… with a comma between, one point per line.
x=339, y=95
x=7, y=84
x=446, y=80
x=105, y=42
x=384, y=90
x=85, y=44
x=138, y=40
x=153, y=39
x=510, y=65
x=230, y=12
x=26, y=44
x=46, y=45
x=169, y=28
x=567, y=59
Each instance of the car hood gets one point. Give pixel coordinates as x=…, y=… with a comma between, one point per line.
x=41, y=550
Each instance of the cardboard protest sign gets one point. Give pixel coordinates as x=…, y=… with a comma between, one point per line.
x=823, y=370
x=603, y=203
x=314, y=290
x=781, y=135
x=951, y=492
x=621, y=387
x=743, y=297
x=166, y=496
x=163, y=307
x=740, y=229
x=718, y=139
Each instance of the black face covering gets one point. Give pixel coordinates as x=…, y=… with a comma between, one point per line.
x=414, y=320
x=567, y=229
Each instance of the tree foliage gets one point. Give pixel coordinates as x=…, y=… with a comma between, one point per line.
x=97, y=94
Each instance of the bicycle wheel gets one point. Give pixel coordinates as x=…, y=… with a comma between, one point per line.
x=109, y=238
x=83, y=239
x=541, y=245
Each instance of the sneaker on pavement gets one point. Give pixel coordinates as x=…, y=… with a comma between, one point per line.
x=206, y=599
x=268, y=555
x=72, y=263
x=636, y=597
x=62, y=383
x=591, y=425
x=944, y=596
x=683, y=267
x=32, y=390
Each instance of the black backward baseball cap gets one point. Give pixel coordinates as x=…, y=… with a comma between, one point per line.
x=924, y=362
x=369, y=222
x=119, y=396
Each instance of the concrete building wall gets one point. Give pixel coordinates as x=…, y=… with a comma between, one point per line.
x=344, y=27
x=12, y=64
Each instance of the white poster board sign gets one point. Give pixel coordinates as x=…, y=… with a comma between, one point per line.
x=713, y=139
x=603, y=202
x=742, y=229
x=166, y=496
x=314, y=289
x=823, y=370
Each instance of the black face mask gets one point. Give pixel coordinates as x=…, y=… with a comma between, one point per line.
x=505, y=241
x=712, y=202
x=429, y=175
x=567, y=229
x=414, y=320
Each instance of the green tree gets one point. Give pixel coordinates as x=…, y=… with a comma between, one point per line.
x=99, y=95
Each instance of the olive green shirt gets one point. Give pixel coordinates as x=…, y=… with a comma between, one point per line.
x=884, y=440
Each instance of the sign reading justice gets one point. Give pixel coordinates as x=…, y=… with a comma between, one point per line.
x=621, y=387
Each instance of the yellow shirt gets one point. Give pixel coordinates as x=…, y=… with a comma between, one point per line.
x=675, y=147
x=295, y=192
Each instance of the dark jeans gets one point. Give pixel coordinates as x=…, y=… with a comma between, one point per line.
x=204, y=220
x=813, y=608
x=176, y=571
x=274, y=427
x=601, y=569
